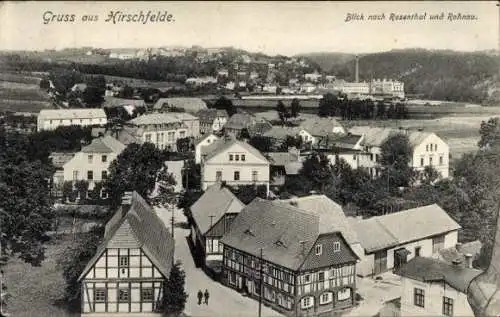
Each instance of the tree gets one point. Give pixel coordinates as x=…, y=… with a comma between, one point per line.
x=82, y=188
x=318, y=169
x=184, y=145
x=92, y=96
x=328, y=105
x=127, y=92
x=135, y=169
x=166, y=188
x=243, y=134
x=282, y=111
x=67, y=190
x=295, y=108
x=395, y=161
x=95, y=193
x=224, y=103
x=175, y=296
x=292, y=141
x=261, y=143
x=429, y=175
x=489, y=132
x=73, y=261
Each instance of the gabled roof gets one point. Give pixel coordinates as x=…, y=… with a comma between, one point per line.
x=155, y=118
x=331, y=215
x=105, y=144
x=209, y=115
x=259, y=128
x=377, y=136
x=216, y=201
x=128, y=135
x=432, y=270
x=137, y=226
x=281, y=132
x=203, y=138
x=282, y=158
x=239, y=121
x=458, y=253
x=60, y=158
x=188, y=104
x=73, y=113
x=285, y=233
x=319, y=126
x=222, y=145
x=110, y=102
x=398, y=228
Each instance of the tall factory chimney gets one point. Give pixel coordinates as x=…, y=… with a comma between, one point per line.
x=357, y=69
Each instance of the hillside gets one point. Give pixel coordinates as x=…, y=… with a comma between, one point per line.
x=328, y=61
x=441, y=75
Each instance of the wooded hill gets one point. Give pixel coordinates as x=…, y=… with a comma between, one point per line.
x=440, y=74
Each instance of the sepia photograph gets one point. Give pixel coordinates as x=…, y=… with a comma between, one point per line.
x=249, y=158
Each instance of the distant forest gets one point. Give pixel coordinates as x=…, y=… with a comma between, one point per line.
x=440, y=75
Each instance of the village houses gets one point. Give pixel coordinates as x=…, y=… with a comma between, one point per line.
x=202, y=145
x=428, y=149
x=212, y=120
x=238, y=122
x=50, y=119
x=313, y=129
x=127, y=273
x=211, y=217
x=391, y=240
x=190, y=105
x=435, y=288
x=235, y=163
x=92, y=162
x=291, y=258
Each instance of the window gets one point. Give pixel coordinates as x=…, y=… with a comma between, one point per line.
x=123, y=295
x=321, y=276
x=148, y=137
x=243, y=157
x=344, y=294
x=376, y=158
x=147, y=295
x=50, y=121
x=430, y=161
x=182, y=134
x=418, y=297
x=447, y=306
x=237, y=176
x=100, y=295
x=218, y=176
x=326, y=298
x=90, y=175
x=255, y=176
x=336, y=246
x=371, y=157
x=417, y=251
x=104, y=175
x=236, y=157
x=75, y=175
x=435, y=147
x=427, y=148
x=104, y=158
x=307, y=302
x=90, y=158
x=440, y=160
x=354, y=157
x=307, y=278
x=421, y=161
x=123, y=261
x=319, y=249
x=230, y=157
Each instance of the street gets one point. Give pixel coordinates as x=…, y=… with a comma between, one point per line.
x=223, y=301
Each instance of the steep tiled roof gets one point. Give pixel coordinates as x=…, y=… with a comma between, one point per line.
x=331, y=215
x=450, y=254
x=155, y=118
x=285, y=233
x=204, y=137
x=222, y=145
x=215, y=201
x=60, y=114
x=239, y=121
x=188, y=104
x=401, y=227
x=377, y=136
x=282, y=158
x=138, y=226
x=106, y=144
x=431, y=270
x=259, y=128
x=128, y=135
x=110, y=102
x=281, y=132
x=209, y=115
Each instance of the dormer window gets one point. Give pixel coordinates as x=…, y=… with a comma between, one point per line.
x=336, y=247
x=318, y=249
x=230, y=157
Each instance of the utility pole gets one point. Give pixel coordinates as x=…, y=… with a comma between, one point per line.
x=261, y=283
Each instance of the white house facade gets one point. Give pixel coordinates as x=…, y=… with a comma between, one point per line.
x=161, y=129
x=202, y=143
x=50, y=119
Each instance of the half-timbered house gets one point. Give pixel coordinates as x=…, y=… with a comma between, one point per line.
x=303, y=267
x=127, y=272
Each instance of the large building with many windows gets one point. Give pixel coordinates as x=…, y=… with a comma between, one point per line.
x=50, y=119
x=127, y=273
x=297, y=264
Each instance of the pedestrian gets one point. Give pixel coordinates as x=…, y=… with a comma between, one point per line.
x=206, y=296
x=200, y=296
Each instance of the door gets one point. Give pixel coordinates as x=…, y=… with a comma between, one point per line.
x=380, y=264
x=400, y=257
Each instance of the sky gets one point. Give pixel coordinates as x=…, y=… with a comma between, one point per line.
x=286, y=28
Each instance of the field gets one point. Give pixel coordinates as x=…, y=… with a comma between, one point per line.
x=36, y=291
x=21, y=92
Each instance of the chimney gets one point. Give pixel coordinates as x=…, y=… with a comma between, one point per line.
x=458, y=246
x=468, y=260
x=357, y=69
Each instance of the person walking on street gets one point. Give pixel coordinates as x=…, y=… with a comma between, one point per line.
x=206, y=296
x=200, y=296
